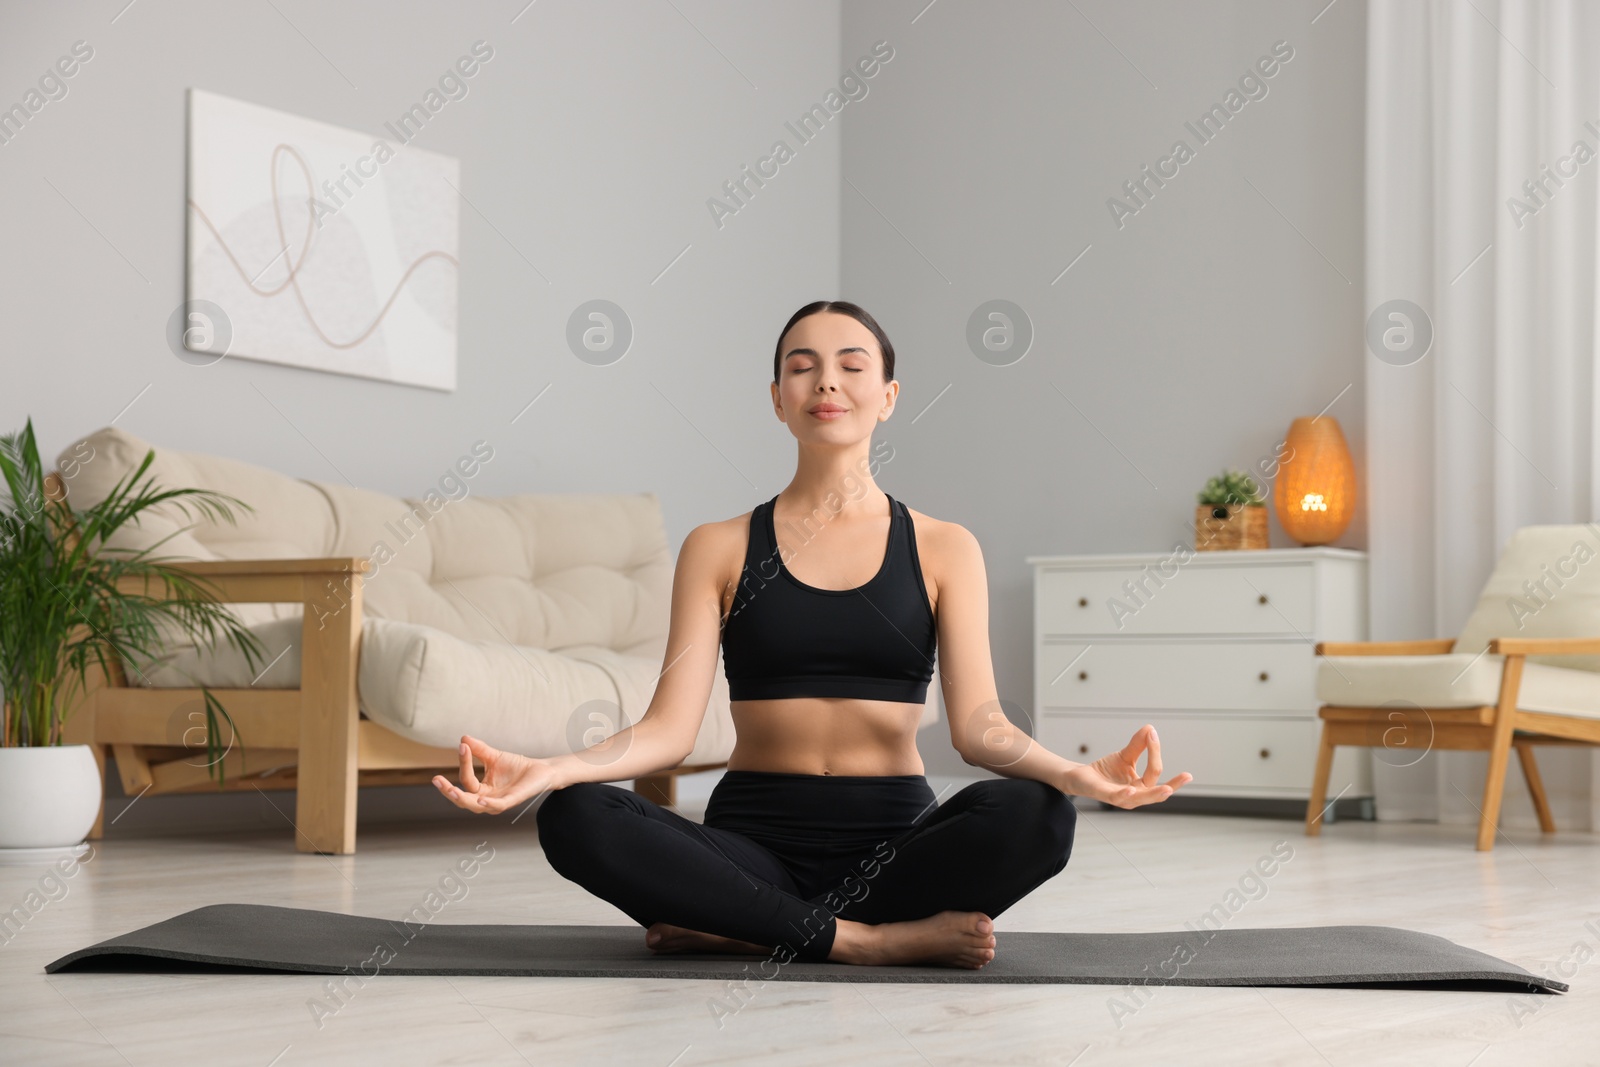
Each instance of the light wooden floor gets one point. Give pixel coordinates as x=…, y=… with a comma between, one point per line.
x=1526, y=902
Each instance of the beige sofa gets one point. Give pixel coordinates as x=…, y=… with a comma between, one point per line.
x=530, y=621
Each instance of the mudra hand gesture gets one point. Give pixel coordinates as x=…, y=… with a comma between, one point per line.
x=508, y=779
x=1115, y=779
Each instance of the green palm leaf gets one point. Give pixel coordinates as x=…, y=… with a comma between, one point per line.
x=63, y=608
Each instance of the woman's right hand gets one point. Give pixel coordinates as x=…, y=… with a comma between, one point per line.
x=508, y=779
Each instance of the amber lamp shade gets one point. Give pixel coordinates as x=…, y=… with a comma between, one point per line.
x=1315, y=491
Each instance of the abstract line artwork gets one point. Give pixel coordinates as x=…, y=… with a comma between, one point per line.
x=319, y=247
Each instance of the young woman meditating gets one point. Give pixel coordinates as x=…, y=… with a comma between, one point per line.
x=822, y=840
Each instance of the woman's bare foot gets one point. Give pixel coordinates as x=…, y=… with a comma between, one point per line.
x=682, y=939
x=948, y=939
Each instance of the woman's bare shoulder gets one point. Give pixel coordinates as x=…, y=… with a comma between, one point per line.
x=722, y=531
x=938, y=536
x=943, y=547
x=723, y=543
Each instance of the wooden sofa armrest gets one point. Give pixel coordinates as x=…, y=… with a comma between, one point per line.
x=246, y=581
x=1433, y=647
x=327, y=753
x=275, y=566
x=1545, y=646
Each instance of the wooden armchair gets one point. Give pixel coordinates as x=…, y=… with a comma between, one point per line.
x=1495, y=728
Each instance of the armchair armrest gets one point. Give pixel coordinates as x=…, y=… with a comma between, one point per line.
x=1433, y=647
x=1545, y=646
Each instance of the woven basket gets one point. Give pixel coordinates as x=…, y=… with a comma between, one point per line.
x=1245, y=527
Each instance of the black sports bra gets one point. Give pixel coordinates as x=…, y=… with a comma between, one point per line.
x=783, y=638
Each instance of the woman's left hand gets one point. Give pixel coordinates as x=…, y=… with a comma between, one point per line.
x=1115, y=779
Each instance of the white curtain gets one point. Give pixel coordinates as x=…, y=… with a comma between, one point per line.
x=1481, y=210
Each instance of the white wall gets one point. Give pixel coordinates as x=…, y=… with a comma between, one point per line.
x=589, y=145
x=977, y=166
x=1188, y=338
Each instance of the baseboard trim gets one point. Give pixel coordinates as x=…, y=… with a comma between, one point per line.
x=1345, y=808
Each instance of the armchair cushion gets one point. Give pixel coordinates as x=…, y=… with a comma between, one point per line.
x=1455, y=680
x=1545, y=584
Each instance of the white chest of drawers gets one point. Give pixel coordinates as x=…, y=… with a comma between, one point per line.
x=1214, y=648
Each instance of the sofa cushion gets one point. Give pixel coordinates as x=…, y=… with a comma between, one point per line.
x=1454, y=680
x=494, y=616
x=424, y=684
x=543, y=570
x=291, y=517
x=432, y=687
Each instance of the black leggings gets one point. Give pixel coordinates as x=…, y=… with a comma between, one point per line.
x=780, y=855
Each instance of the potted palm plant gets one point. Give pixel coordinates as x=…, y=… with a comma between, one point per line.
x=71, y=601
x=1232, y=513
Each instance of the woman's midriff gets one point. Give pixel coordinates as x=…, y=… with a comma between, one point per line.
x=826, y=736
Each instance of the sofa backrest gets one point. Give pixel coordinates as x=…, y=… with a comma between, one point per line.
x=541, y=570
x=1545, y=584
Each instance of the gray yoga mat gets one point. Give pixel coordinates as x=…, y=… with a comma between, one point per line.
x=262, y=937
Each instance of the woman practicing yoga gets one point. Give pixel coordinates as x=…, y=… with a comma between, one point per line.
x=822, y=840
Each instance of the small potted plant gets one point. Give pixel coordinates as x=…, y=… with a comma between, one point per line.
x=64, y=609
x=1232, y=513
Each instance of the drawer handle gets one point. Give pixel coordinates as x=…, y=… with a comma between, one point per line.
x=1266, y=752
x=1083, y=676
x=1262, y=599
x=1083, y=602
x=1083, y=750
x=1263, y=676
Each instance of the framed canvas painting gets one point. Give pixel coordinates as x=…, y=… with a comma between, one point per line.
x=319, y=247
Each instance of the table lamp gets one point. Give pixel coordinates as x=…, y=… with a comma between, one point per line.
x=1315, y=491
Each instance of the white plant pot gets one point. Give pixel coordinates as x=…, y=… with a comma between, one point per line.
x=49, y=798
